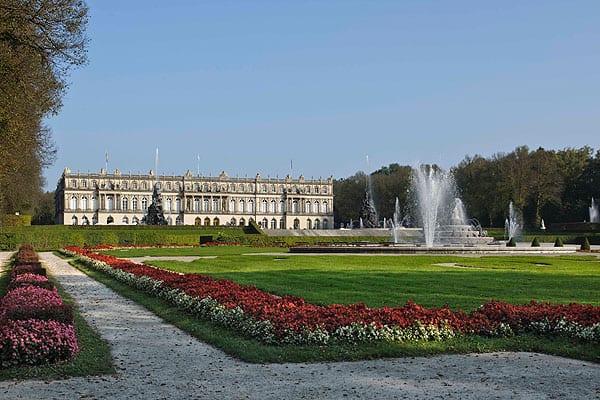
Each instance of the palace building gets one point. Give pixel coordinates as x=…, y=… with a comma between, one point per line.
x=123, y=199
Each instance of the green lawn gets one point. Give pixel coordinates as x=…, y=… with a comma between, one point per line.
x=393, y=280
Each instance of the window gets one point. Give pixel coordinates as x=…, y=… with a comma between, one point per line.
x=242, y=222
x=95, y=184
x=273, y=188
x=134, y=185
x=74, y=220
x=282, y=206
x=317, y=224
x=216, y=222
x=263, y=207
x=144, y=185
x=110, y=219
x=178, y=220
x=124, y=203
x=205, y=205
x=134, y=204
x=144, y=203
x=110, y=203
x=168, y=185
x=241, y=206
x=196, y=204
x=273, y=206
x=124, y=185
x=242, y=188
x=135, y=220
x=265, y=223
x=281, y=223
x=73, y=203
x=197, y=221
x=308, y=224
x=295, y=207
x=273, y=223
x=316, y=189
x=233, y=222
x=94, y=203
x=206, y=221
x=296, y=223
x=250, y=206
x=307, y=209
x=168, y=204
x=215, y=205
x=232, y=206
x=125, y=220
x=325, y=224
x=325, y=192
x=84, y=203
x=325, y=209
x=74, y=183
x=178, y=205
x=85, y=220
x=84, y=185
x=197, y=187
x=316, y=207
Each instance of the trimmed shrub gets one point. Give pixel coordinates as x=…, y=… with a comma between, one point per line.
x=535, y=242
x=511, y=243
x=558, y=242
x=61, y=313
x=585, y=245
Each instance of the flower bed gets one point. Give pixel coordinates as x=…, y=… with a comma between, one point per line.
x=35, y=326
x=289, y=319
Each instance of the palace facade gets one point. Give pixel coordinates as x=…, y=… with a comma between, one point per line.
x=123, y=199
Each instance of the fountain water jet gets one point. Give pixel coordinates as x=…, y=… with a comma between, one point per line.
x=594, y=214
x=512, y=225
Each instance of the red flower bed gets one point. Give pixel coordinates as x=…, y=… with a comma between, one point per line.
x=293, y=313
x=35, y=326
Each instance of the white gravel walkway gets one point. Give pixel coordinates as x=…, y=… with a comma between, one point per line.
x=155, y=360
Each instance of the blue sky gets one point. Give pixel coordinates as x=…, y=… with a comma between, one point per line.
x=250, y=86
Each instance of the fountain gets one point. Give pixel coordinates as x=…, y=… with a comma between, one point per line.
x=594, y=214
x=441, y=214
x=155, y=215
x=512, y=224
x=368, y=214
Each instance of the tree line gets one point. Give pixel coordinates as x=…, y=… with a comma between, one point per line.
x=41, y=41
x=553, y=185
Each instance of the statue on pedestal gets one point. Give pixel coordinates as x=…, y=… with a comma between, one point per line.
x=368, y=214
x=155, y=215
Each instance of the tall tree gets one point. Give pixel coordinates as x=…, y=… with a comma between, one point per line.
x=40, y=42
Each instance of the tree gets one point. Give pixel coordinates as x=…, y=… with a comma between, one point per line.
x=545, y=181
x=40, y=42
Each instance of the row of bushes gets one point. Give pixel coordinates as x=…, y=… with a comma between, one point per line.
x=35, y=326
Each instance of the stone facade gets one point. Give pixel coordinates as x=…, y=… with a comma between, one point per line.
x=123, y=199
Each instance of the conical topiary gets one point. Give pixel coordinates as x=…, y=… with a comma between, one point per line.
x=511, y=243
x=535, y=242
x=586, y=244
x=558, y=242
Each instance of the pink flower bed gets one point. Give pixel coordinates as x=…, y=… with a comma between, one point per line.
x=35, y=326
x=293, y=315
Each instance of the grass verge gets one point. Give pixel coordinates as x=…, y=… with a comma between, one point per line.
x=94, y=357
x=253, y=351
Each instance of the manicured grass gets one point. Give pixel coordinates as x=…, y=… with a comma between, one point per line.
x=393, y=280
x=253, y=351
x=94, y=357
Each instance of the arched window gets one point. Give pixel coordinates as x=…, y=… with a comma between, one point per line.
x=94, y=220
x=85, y=220
x=74, y=203
x=216, y=222
x=125, y=220
x=205, y=205
x=169, y=221
x=242, y=222
x=308, y=224
x=168, y=205
x=265, y=223
x=178, y=220
x=110, y=219
x=317, y=209
x=110, y=203
x=231, y=205
x=94, y=203
x=215, y=205
x=296, y=223
x=144, y=185
x=242, y=206
x=250, y=206
x=263, y=207
x=74, y=220
x=198, y=221
x=273, y=206
x=134, y=204
x=144, y=203
x=233, y=222
x=282, y=223
x=307, y=209
x=325, y=224
x=84, y=203
x=206, y=221
x=196, y=204
x=124, y=203
x=325, y=209
x=295, y=207
x=273, y=223
x=282, y=206
x=317, y=224
x=178, y=205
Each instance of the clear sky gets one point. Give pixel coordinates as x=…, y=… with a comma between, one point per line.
x=317, y=86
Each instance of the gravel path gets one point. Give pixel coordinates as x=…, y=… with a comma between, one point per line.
x=155, y=360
